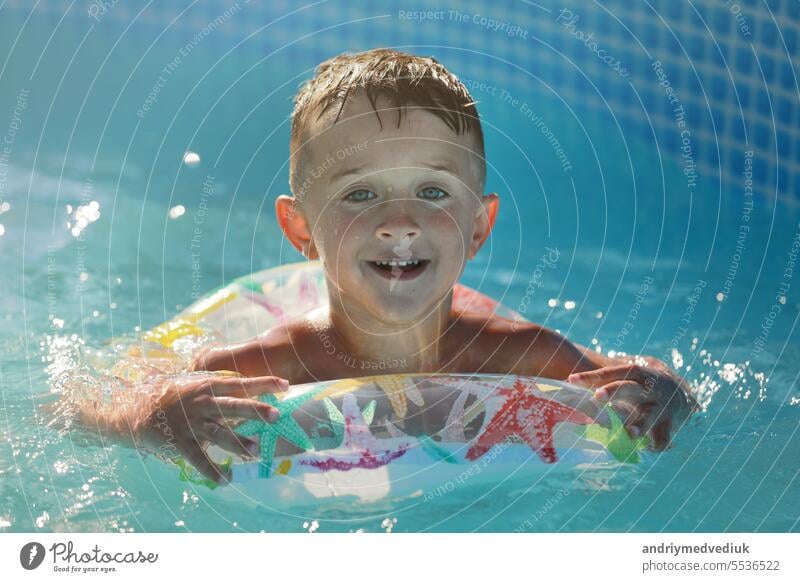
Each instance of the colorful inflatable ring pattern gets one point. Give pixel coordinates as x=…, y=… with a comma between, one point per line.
x=372, y=437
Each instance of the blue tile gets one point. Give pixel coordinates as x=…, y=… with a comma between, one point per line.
x=784, y=144
x=709, y=153
x=767, y=34
x=720, y=21
x=720, y=121
x=719, y=88
x=744, y=60
x=738, y=130
x=790, y=39
x=767, y=67
x=762, y=137
x=783, y=178
x=696, y=47
x=763, y=103
x=759, y=168
x=784, y=108
x=787, y=76
x=650, y=35
x=673, y=12
x=745, y=95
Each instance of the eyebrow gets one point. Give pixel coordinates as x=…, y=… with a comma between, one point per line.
x=437, y=166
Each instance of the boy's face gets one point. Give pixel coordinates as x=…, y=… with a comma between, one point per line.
x=393, y=212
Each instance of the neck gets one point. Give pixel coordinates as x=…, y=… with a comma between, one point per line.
x=413, y=346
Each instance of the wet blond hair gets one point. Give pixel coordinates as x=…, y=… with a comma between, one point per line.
x=401, y=78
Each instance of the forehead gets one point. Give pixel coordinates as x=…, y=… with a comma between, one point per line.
x=359, y=134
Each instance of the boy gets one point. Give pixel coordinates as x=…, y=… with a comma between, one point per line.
x=387, y=170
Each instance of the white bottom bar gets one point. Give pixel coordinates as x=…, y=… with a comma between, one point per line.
x=428, y=557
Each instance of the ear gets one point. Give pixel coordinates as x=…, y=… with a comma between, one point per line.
x=484, y=221
x=295, y=226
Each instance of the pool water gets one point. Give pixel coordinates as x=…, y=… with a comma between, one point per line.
x=109, y=231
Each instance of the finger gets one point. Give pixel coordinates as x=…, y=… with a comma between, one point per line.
x=626, y=411
x=660, y=435
x=230, y=441
x=247, y=387
x=619, y=389
x=601, y=376
x=197, y=457
x=229, y=407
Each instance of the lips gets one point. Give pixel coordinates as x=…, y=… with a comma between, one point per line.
x=396, y=269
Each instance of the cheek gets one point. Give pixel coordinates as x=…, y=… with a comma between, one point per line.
x=451, y=229
x=340, y=236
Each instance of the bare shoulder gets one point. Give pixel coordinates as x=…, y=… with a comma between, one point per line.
x=519, y=347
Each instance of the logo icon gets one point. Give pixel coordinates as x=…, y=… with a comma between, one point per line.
x=31, y=555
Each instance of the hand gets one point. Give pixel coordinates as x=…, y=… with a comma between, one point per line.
x=193, y=410
x=650, y=399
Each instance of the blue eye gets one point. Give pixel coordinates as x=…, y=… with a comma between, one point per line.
x=432, y=193
x=360, y=196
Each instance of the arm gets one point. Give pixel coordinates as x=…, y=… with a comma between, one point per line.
x=650, y=397
x=267, y=355
x=175, y=415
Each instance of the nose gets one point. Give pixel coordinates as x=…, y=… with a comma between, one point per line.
x=398, y=227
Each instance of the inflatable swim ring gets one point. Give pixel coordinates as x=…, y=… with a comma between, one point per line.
x=372, y=437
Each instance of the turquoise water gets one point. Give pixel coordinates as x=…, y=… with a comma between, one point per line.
x=108, y=231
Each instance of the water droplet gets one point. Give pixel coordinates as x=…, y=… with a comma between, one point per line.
x=191, y=159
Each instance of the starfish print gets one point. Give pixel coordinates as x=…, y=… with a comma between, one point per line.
x=336, y=425
x=394, y=386
x=359, y=448
x=285, y=427
x=616, y=439
x=461, y=415
x=528, y=417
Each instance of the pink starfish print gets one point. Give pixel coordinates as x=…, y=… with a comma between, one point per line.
x=359, y=449
x=528, y=417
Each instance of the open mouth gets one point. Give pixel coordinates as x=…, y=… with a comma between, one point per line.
x=397, y=269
